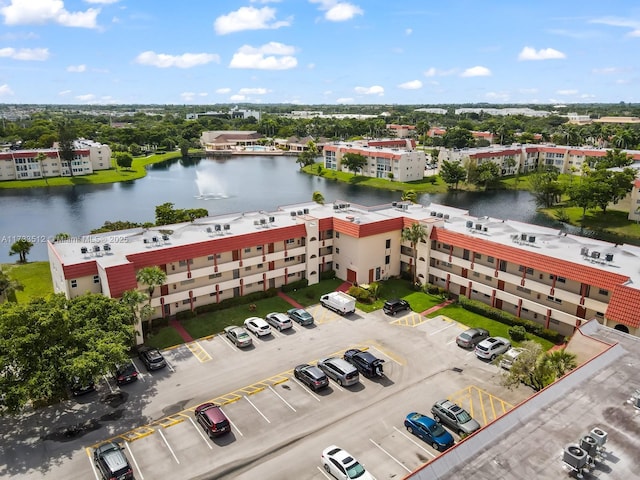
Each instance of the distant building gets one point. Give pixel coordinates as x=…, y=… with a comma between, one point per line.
x=404, y=165
x=527, y=112
x=578, y=119
x=437, y=111
x=89, y=156
x=402, y=131
x=228, y=140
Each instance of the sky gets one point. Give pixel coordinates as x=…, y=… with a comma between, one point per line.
x=319, y=51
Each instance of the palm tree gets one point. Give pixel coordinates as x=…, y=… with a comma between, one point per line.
x=21, y=248
x=41, y=157
x=140, y=310
x=562, y=361
x=414, y=234
x=318, y=197
x=409, y=196
x=152, y=277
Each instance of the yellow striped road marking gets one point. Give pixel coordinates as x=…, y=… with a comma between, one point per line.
x=137, y=433
x=199, y=352
x=411, y=320
x=490, y=406
x=388, y=353
x=171, y=420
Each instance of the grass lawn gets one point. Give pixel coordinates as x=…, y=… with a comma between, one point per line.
x=396, y=288
x=35, y=277
x=211, y=323
x=311, y=295
x=164, y=338
x=496, y=329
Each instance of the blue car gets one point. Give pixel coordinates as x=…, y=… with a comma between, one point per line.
x=300, y=315
x=428, y=430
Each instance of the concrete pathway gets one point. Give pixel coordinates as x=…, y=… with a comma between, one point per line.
x=289, y=300
x=437, y=307
x=344, y=287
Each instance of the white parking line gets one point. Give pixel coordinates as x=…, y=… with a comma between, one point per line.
x=442, y=329
x=227, y=342
x=108, y=383
x=140, y=374
x=169, y=447
x=169, y=366
x=324, y=473
x=391, y=456
x=199, y=430
x=232, y=424
x=414, y=442
x=452, y=341
x=285, y=402
x=306, y=389
x=262, y=414
x=385, y=355
x=135, y=462
x=337, y=385
x=93, y=467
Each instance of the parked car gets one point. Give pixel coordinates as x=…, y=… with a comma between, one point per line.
x=79, y=386
x=111, y=462
x=152, y=358
x=238, y=336
x=278, y=321
x=490, y=348
x=125, y=373
x=509, y=357
x=257, y=326
x=366, y=363
x=427, y=429
x=212, y=419
x=391, y=307
x=471, y=337
x=454, y=417
x=300, y=315
x=311, y=375
x=342, y=465
x=340, y=371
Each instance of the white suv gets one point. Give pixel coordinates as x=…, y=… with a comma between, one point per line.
x=257, y=326
x=490, y=348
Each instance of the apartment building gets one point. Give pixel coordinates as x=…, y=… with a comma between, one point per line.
x=566, y=159
x=538, y=273
x=222, y=141
x=401, y=164
x=89, y=156
x=402, y=131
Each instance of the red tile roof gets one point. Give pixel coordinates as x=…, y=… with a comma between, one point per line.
x=623, y=306
x=556, y=266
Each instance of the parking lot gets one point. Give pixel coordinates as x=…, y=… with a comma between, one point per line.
x=279, y=426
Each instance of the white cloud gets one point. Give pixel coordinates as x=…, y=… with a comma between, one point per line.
x=477, y=71
x=311, y=66
x=265, y=1
x=187, y=96
x=569, y=91
x=271, y=56
x=237, y=98
x=5, y=90
x=38, y=12
x=86, y=97
x=408, y=31
x=248, y=18
x=344, y=100
x=498, y=96
x=223, y=90
x=411, y=85
x=608, y=70
x=186, y=60
x=373, y=90
x=530, y=53
x=27, y=54
x=634, y=25
x=435, y=72
x=76, y=68
x=64, y=93
x=336, y=11
x=253, y=91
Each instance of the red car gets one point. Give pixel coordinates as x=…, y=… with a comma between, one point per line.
x=212, y=419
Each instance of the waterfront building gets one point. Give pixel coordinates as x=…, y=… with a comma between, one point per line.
x=537, y=273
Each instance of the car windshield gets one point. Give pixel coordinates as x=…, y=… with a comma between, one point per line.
x=465, y=336
x=463, y=417
x=355, y=470
x=242, y=335
x=436, y=430
x=303, y=314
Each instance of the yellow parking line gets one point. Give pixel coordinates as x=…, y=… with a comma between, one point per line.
x=137, y=434
x=200, y=353
x=171, y=421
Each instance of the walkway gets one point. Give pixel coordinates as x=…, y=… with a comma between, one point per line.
x=181, y=330
x=289, y=300
x=436, y=307
x=344, y=287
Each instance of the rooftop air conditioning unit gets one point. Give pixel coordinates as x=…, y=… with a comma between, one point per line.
x=336, y=207
x=589, y=445
x=227, y=226
x=485, y=229
x=217, y=227
x=440, y=215
x=256, y=223
x=478, y=226
x=165, y=237
x=532, y=239
x=209, y=230
x=599, y=435
x=96, y=248
x=293, y=214
x=306, y=210
x=469, y=224
x=446, y=216
x=523, y=237
x=574, y=456
x=584, y=251
x=595, y=254
x=106, y=247
x=263, y=221
x=609, y=257
x=146, y=240
x=394, y=204
x=433, y=214
x=272, y=219
x=299, y=212
x=84, y=250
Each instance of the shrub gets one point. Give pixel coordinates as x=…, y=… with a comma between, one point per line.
x=290, y=287
x=362, y=295
x=328, y=275
x=518, y=333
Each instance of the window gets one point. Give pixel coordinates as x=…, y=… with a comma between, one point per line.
x=446, y=247
x=562, y=280
x=522, y=289
x=289, y=259
x=337, y=250
x=215, y=275
x=289, y=241
x=490, y=259
x=337, y=234
x=247, y=269
x=247, y=250
x=387, y=259
x=476, y=274
x=74, y=283
x=186, y=302
x=96, y=279
x=337, y=267
x=529, y=270
x=604, y=292
x=388, y=243
x=477, y=256
x=183, y=263
x=210, y=258
x=488, y=278
x=259, y=247
x=187, y=282
x=260, y=265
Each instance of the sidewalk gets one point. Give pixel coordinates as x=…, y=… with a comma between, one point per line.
x=437, y=307
x=181, y=330
x=289, y=300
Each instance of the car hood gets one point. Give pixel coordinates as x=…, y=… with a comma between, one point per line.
x=470, y=427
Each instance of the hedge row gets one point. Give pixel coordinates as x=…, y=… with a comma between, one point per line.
x=530, y=326
x=226, y=303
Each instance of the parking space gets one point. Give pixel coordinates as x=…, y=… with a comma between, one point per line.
x=482, y=405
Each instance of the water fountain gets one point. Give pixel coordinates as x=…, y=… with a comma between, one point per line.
x=209, y=188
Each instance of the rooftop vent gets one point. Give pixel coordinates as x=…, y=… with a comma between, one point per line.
x=299, y=212
x=479, y=226
x=155, y=239
x=439, y=215
x=446, y=216
x=595, y=255
x=217, y=227
x=165, y=237
x=227, y=226
x=84, y=250
x=584, y=251
x=96, y=248
x=106, y=247
x=599, y=435
x=146, y=240
x=257, y=222
x=469, y=224
x=589, y=445
x=609, y=257
x=575, y=457
x=306, y=210
x=263, y=221
x=293, y=214
x=433, y=214
x=272, y=219
x=209, y=230
x=523, y=237
x=532, y=239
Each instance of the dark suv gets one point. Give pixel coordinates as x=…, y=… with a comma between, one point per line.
x=152, y=358
x=391, y=307
x=111, y=462
x=125, y=373
x=212, y=420
x=366, y=363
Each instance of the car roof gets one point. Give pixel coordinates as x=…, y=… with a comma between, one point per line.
x=340, y=454
x=212, y=412
x=422, y=419
x=278, y=315
x=449, y=405
x=257, y=320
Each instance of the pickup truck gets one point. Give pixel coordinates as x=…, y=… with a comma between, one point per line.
x=340, y=302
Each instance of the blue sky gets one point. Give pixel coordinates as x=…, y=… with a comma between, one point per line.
x=319, y=51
